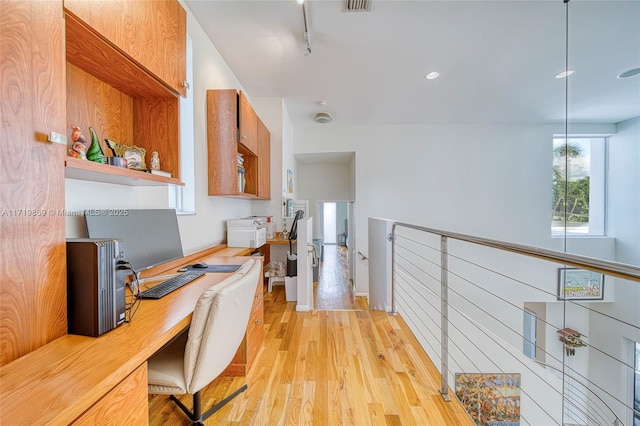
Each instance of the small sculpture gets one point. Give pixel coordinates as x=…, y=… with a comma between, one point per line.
x=155, y=161
x=79, y=147
x=95, y=150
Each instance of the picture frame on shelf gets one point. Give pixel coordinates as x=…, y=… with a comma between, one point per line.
x=580, y=284
x=134, y=155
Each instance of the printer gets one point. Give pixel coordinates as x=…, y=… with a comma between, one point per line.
x=247, y=232
x=268, y=222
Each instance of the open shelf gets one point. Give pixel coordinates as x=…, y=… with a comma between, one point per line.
x=76, y=168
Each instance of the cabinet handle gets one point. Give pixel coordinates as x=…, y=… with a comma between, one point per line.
x=257, y=321
x=185, y=84
x=258, y=296
x=54, y=137
x=244, y=137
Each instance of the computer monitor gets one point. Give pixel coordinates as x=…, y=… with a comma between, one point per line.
x=151, y=236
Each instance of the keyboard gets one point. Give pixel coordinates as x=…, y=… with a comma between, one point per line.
x=170, y=285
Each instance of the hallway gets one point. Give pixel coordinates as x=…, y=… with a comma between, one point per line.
x=332, y=291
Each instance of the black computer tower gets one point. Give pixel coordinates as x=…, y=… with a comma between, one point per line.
x=95, y=287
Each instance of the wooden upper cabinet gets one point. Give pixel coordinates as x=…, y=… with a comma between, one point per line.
x=152, y=33
x=248, y=125
x=264, y=161
x=227, y=112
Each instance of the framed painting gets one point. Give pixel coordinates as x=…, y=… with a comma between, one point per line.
x=580, y=284
x=289, y=181
x=490, y=399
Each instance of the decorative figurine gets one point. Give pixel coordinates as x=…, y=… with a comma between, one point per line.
x=95, y=150
x=79, y=147
x=155, y=161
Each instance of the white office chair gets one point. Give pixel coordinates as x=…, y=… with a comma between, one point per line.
x=217, y=328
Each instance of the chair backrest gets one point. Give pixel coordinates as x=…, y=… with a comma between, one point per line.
x=218, y=325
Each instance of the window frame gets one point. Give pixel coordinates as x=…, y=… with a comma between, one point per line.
x=182, y=198
x=598, y=154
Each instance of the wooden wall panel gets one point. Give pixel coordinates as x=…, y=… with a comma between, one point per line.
x=32, y=244
x=93, y=103
x=157, y=129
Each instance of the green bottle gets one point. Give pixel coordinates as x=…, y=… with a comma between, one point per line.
x=95, y=150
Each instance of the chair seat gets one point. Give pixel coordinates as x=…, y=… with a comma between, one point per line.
x=166, y=369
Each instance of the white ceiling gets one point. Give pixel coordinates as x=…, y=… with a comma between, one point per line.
x=497, y=59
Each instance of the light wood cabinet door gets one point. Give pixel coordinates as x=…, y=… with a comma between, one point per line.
x=248, y=125
x=264, y=161
x=152, y=33
x=33, y=289
x=222, y=107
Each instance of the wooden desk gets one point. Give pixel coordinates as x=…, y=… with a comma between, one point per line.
x=59, y=382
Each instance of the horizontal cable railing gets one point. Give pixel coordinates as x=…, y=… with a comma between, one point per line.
x=522, y=335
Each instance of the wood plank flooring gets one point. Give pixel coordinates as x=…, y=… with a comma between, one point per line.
x=333, y=290
x=344, y=367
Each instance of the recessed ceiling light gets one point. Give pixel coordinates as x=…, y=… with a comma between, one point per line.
x=432, y=75
x=630, y=73
x=564, y=74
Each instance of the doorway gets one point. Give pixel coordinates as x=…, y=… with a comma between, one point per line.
x=335, y=289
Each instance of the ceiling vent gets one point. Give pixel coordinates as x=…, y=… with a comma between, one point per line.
x=357, y=5
x=322, y=117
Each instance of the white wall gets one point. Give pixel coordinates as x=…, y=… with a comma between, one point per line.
x=484, y=180
x=273, y=114
x=623, y=212
x=323, y=182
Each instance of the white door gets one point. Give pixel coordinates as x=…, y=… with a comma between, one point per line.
x=306, y=258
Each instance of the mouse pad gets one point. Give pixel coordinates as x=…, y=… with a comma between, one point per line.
x=216, y=268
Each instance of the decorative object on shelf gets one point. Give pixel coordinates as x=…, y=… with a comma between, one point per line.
x=289, y=181
x=79, y=144
x=571, y=339
x=95, y=150
x=580, y=284
x=133, y=154
x=116, y=160
x=155, y=160
x=160, y=173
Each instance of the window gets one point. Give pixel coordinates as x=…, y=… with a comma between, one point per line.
x=529, y=334
x=182, y=198
x=578, y=186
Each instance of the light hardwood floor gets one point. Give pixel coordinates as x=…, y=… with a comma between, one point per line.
x=332, y=291
x=344, y=367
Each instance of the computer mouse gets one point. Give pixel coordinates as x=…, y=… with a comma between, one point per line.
x=200, y=265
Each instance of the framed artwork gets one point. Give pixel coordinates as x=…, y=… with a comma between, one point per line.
x=490, y=399
x=580, y=284
x=133, y=154
x=289, y=181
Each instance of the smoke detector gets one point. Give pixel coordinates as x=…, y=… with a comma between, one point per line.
x=322, y=117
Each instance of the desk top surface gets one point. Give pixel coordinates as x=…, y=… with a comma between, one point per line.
x=278, y=240
x=59, y=381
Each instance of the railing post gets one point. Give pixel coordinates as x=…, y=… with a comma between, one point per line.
x=392, y=237
x=444, y=318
